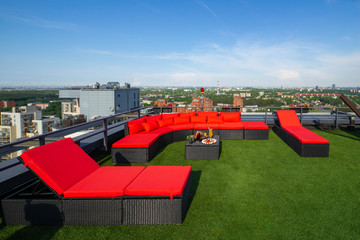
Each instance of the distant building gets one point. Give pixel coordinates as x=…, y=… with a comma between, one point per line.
x=21, y=118
x=160, y=103
x=238, y=101
x=43, y=125
x=5, y=104
x=42, y=106
x=200, y=102
x=333, y=87
x=245, y=95
x=104, y=100
x=70, y=109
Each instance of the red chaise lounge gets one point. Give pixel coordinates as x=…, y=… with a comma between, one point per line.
x=145, y=136
x=73, y=189
x=303, y=141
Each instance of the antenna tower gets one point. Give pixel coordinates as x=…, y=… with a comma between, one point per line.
x=218, y=87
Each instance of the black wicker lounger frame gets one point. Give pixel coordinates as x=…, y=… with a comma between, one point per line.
x=37, y=204
x=303, y=149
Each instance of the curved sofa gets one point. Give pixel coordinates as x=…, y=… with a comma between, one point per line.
x=147, y=135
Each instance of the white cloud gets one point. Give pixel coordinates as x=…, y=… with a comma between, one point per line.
x=290, y=63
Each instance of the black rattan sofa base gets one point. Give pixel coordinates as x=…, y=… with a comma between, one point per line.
x=231, y=134
x=256, y=134
x=303, y=149
x=156, y=210
x=24, y=208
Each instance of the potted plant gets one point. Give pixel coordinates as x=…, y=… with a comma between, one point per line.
x=190, y=138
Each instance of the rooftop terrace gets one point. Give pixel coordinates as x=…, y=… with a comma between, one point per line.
x=258, y=189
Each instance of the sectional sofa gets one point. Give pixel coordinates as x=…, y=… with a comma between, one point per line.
x=145, y=136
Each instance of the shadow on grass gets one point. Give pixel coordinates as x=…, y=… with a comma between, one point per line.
x=195, y=180
x=35, y=232
x=356, y=134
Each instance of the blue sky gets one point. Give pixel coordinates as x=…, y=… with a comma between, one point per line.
x=257, y=43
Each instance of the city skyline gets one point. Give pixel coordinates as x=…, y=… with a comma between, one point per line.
x=180, y=43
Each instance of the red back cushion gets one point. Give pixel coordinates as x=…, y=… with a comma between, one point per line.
x=155, y=117
x=181, y=120
x=60, y=164
x=231, y=116
x=215, y=120
x=198, y=119
x=135, y=128
x=171, y=115
x=151, y=125
x=189, y=114
x=208, y=114
x=288, y=118
x=166, y=122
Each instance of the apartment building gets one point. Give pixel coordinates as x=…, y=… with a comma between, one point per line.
x=104, y=100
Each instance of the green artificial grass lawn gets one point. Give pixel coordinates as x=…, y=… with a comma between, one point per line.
x=258, y=189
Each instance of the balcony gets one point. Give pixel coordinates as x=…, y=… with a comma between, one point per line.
x=258, y=189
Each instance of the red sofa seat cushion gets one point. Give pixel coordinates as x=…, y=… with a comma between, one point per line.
x=60, y=164
x=254, y=125
x=288, y=118
x=304, y=135
x=160, y=181
x=182, y=126
x=104, y=182
x=137, y=140
x=207, y=125
x=161, y=131
x=166, y=122
x=150, y=125
x=231, y=116
x=231, y=125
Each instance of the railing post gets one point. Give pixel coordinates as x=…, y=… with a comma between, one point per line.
x=138, y=113
x=41, y=140
x=301, y=116
x=336, y=117
x=266, y=115
x=105, y=135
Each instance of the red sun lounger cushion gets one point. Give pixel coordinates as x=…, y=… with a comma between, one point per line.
x=136, y=140
x=288, y=118
x=160, y=181
x=304, y=135
x=104, y=182
x=254, y=125
x=60, y=164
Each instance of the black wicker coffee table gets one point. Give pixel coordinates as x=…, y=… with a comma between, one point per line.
x=199, y=151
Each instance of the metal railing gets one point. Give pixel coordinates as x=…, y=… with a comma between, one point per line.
x=106, y=126
x=104, y=122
